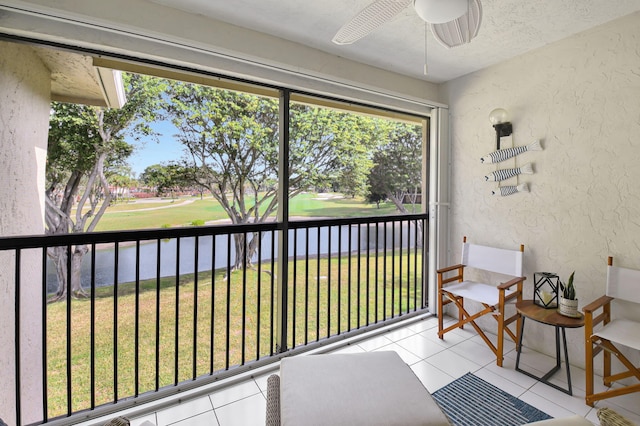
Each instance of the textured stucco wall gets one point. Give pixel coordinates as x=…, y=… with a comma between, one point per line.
x=581, y=97
x=24, y=123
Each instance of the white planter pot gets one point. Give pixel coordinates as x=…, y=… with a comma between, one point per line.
x=568, y=307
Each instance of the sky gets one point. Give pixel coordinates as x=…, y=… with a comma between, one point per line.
x=148, y=152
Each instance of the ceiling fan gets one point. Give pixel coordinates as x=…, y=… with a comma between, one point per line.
x=453, y=22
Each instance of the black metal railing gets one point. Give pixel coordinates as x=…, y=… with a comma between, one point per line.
x=371, y=273
x=170, y=309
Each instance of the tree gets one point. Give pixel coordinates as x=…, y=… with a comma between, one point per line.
x=85, y=143
x=121, y=180
x=397, y=171
x=357, y=136
x=377, y=191
x=232, y=143
x=165, y=178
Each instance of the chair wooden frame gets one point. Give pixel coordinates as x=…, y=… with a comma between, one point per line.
x=497, y=311
x=595, y=344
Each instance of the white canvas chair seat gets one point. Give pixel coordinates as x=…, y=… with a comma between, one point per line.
x=621, y=331
x=478, y=292
x=622, y=283
x=453, y=288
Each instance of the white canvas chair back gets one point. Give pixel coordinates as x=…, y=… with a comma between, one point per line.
x=623, y=283
x=502, y=261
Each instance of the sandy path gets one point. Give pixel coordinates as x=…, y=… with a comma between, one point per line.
x=185, y=202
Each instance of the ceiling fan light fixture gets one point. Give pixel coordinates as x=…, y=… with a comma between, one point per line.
x=440, y=11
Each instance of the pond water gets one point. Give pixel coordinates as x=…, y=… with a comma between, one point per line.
x=305, y=239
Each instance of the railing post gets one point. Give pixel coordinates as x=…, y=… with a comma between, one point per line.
x=429, y=264
x=17, y=338
x=283, y=220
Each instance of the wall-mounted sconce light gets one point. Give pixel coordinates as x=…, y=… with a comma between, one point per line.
x=500, y=120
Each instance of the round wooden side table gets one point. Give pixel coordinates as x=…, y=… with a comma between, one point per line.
x=527, y=309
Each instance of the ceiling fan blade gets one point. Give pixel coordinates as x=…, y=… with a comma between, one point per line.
x=368, y=19
x=462, y=30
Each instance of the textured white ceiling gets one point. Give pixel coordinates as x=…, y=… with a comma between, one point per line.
x=508, y=29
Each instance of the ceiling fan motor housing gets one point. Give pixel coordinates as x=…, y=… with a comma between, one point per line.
x=440, y=11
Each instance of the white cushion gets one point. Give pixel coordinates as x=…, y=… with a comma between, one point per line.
x=480, y=292
x=624, y=332
x=376, y=388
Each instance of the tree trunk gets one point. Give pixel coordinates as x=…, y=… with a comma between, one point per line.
x=238, y=241
x=420, y=234
x=60, y=260
x=59, y=221
x=397, y=201
x=59, y=257
x=251, y=249
x=76, y=271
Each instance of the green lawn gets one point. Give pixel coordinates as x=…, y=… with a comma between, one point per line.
x=176, y=215
x=312, y=205
x=319, y=306
x=145, y=203
x=123, y=216
x=317, y=300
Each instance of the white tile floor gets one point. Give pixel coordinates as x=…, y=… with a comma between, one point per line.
x=436, y=363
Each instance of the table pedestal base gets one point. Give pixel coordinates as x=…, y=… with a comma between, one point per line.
x=545, y=379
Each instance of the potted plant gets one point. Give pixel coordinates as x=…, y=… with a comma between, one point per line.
x=568, y=305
